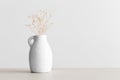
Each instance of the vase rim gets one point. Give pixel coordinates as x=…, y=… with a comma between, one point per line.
x=40, y=35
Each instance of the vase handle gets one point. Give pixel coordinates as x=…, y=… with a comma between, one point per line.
x=30, y=42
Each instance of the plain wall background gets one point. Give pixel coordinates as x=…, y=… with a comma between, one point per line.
x=86, y=33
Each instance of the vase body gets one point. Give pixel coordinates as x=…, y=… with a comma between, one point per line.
x=40, y=55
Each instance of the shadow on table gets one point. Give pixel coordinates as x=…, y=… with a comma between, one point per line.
x=13, y=70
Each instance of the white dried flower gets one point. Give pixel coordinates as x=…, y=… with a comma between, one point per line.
x=40, y=22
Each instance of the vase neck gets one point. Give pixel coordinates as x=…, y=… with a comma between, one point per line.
x=41, y=37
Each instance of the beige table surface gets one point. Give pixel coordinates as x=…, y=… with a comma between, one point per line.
x=62, y=74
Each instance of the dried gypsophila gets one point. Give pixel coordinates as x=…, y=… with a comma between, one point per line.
x=40, y=22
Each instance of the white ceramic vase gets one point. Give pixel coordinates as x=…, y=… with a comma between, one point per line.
x=40, y=56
